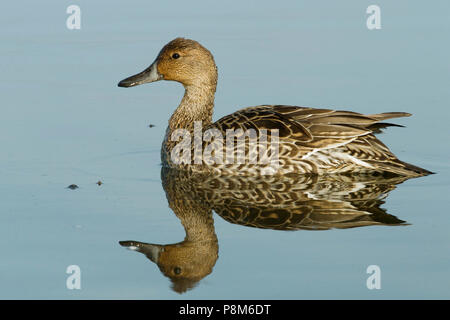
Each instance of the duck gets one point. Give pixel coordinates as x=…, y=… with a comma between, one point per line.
x=302, y=140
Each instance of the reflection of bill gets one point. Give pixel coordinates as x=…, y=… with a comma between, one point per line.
x=210, y=147
x=307, y=202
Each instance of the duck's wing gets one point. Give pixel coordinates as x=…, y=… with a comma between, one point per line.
x=310, y=131
x=293, y=125
x=331, y=117
x=341, y=117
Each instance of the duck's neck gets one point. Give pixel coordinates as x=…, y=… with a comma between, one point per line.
x=195, y=215
x=199, y=226
x=197, y=105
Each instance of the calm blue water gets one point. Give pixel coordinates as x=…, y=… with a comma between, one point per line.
x=64, y=121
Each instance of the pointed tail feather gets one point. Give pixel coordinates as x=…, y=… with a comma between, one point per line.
x=379, y=126
x=389, y=115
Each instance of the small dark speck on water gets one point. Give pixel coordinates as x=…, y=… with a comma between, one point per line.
x=99, y=183
x=151, y=125
x=73, y=187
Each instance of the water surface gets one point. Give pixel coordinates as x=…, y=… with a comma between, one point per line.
x=64, y=121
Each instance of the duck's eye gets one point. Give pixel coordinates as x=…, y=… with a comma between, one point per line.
x=175, y=56
x=177, y=270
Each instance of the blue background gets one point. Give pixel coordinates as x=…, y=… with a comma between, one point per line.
x=63, y=120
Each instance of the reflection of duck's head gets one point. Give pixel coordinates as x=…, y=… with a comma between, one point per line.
x=189, y=261
x=185, y=263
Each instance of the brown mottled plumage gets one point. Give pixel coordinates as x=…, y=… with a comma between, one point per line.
x=318, y=141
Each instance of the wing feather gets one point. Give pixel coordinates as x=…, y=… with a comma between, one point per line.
x=311, y=130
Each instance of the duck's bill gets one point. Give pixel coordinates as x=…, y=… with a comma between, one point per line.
x=152, y=251
x=148, y=75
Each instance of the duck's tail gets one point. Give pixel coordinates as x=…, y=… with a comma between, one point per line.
x=399, y=167
x=417, y=170
x=389, y=115
x=378, y=126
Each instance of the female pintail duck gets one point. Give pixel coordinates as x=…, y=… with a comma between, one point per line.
x=309, y=141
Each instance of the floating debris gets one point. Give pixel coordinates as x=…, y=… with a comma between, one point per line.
x=72, y=187
x=99, y=183
x=151, y=125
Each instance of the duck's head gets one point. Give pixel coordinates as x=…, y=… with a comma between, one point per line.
x=182, y=60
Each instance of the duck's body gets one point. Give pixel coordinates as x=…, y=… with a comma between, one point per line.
x=309, y=141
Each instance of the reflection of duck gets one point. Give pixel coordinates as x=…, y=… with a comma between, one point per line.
x=310, y=140
x=283, y=203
